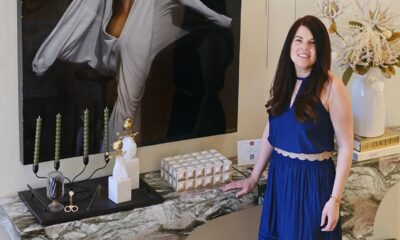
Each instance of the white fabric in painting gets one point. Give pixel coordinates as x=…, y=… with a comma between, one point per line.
x=80, y=37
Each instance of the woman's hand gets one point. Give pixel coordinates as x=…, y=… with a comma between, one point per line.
x=330, y=211
x=245, y=186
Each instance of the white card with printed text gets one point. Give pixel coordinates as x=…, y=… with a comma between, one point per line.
x=248, y=150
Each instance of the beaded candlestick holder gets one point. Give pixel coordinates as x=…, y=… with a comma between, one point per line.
x=55, y=179
x=85, y=198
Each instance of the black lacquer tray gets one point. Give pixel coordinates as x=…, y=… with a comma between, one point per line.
x=141, y=197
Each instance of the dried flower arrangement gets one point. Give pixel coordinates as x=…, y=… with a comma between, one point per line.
x=373, y=40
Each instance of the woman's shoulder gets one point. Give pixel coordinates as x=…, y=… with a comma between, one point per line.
x=335, y=83
x=333, y=88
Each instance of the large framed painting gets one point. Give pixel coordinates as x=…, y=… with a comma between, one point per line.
x=170, y=65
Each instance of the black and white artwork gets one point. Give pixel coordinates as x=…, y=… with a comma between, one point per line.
x=170, y=65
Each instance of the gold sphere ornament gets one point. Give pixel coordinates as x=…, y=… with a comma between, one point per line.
x=117, y=145
x=128, y=124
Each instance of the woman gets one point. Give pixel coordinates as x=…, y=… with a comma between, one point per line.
x=307, y=107
x=119, y=38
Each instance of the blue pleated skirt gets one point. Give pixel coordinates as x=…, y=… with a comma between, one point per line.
x=295, y=195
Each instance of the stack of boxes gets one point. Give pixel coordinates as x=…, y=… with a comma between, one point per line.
x=196, y=170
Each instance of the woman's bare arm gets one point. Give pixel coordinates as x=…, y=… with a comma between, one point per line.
x=342, y=119
x=246, y=185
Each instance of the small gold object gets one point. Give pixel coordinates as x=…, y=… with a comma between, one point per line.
x=71, y=207
x=337, y=200
x=117, y=145
x=128, y=124
x=128, y=130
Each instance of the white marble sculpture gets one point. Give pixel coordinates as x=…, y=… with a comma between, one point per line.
x=129, y=150
x=120, y=171
x=131, y=161
x=119, y=184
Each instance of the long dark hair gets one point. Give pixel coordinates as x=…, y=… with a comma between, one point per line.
x=285, y=76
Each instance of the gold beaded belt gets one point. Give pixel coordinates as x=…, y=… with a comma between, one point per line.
x=305, y=156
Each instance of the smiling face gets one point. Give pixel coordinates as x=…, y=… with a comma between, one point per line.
x=302, y=51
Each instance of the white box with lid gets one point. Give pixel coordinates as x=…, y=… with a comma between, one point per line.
x=196, y=170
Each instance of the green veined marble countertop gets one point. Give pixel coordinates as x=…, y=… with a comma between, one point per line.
x=176, y=218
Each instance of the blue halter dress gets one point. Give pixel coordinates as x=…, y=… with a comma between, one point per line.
x=300, y=177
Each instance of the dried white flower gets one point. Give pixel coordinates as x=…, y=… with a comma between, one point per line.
x=371, y=41
x=374, y=16
x=330, y=8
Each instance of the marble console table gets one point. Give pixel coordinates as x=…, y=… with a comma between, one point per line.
x=368, y=183
x=181, y=213
x=176, y=218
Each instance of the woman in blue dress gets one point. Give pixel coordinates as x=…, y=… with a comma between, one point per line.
x=308, y=106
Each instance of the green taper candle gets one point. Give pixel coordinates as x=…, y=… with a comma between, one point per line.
x=86, y=133
x=57, y=139
x=37, y=141
x=106, y=131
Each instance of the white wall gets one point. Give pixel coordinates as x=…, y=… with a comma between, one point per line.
x=254, y=85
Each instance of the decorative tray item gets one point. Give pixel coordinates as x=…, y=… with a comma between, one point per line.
x=196, y=170
x=88, y=199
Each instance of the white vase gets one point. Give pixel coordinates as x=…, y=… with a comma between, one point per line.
x=368, y=103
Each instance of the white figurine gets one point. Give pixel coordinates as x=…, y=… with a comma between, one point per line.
x=120, y=171
x=119, y=184
x=129, y=150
